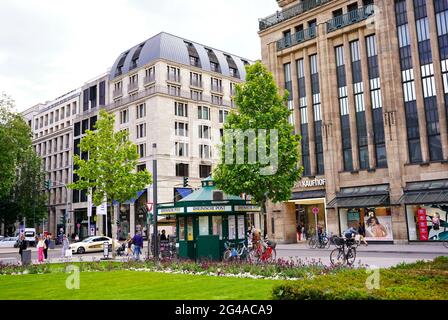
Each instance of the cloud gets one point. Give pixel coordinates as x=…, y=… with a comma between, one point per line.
x=50, y=47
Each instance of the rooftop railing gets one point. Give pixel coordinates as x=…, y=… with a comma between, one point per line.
x=289, y=13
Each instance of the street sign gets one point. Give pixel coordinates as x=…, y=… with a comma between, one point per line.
x=316, y=210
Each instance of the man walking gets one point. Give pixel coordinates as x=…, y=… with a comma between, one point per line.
x=138, y=245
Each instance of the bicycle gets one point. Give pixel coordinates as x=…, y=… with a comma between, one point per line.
x=263, y=251
x=235, y=251
x=345, y=252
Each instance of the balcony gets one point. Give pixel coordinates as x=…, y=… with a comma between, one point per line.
x=149, y=79
x=296, y=38
x=350, y=18
x=216, y=89
x=117, y=93
x=289, y=13
x=133, y=86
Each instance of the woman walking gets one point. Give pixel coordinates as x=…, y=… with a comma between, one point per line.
x=40, y=249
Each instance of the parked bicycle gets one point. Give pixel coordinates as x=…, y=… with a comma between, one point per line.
x=263, y=251
x=238, y=251
x=345, y=252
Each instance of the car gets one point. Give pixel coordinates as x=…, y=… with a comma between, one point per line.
x=9, y=242
x=92, y=244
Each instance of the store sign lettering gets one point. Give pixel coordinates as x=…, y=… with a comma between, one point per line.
x=311, y=183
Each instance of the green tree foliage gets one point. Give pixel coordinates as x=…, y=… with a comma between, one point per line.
x=260, y=106
x=21, y=174
x=110, y=169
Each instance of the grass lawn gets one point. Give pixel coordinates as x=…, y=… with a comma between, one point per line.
x=134, y=285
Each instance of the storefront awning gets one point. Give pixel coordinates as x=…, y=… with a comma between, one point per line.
x=424, y=197
x=357, y=202
x=308, y=194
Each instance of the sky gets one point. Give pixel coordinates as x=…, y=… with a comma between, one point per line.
x=50, y=47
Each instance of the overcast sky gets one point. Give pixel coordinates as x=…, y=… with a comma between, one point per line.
x=49, y=47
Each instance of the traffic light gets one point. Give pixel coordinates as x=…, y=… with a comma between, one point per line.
x=47, y=184
x=185, y=182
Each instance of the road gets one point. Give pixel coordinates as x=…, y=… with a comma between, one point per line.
x=379, y=256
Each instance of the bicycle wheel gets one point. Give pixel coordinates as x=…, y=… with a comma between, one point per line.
x=351, y=256
x=227, y=255
x=337, y=257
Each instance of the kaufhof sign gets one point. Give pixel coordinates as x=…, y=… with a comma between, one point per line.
x=308, y=183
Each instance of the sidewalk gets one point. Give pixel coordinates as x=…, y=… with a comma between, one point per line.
x=437, y=248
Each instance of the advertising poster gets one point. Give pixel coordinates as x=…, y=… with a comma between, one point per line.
x=379, y=228
x=422, y=225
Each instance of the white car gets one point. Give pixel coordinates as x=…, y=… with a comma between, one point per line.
x=9, y=242
x=92, y=244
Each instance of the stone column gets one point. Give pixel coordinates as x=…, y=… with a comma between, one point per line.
x=132, y=219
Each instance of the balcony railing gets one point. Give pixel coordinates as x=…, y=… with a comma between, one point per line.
x=349, y=18
x=152, y=90
x=149, y=79
x=289, y=13
x=117, y=93
x=216, y=89
x=132, y=86
x=296, y=38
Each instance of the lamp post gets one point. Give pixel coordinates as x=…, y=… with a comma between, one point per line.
x=154, y=176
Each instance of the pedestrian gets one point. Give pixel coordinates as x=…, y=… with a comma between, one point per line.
x=362, y=234
x=22, y=245
x=47, y=244
x=138, y=245
x=40, y=249
x=299, y=232
x=65, y=245
x=129, y=245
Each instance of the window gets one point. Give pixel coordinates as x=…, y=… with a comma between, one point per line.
x=203, y=113
x=173, y=74
x=181, y=129
x=124, y=116
x=141, y=148
x=150, y=74
x=196, y=95
x=141, y=110
x=182, y=170
x=181, y=149
x=204, y=132
x=216, y=84
x=223, y=115
x=196, y=79
x=174, y=90
x=205, y=151
x=216, y=100
x=141, y=130
x=204, y=171
x=180, y=109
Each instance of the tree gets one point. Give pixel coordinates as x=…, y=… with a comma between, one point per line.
x=261, y=110
x=109, y=171
x=21, y=174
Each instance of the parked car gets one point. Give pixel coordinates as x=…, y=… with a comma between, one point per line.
x=9, y=242
x=92, y=244
x=30, y=236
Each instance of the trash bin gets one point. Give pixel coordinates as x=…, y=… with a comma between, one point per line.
x=26, y=257
x=52, y=244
